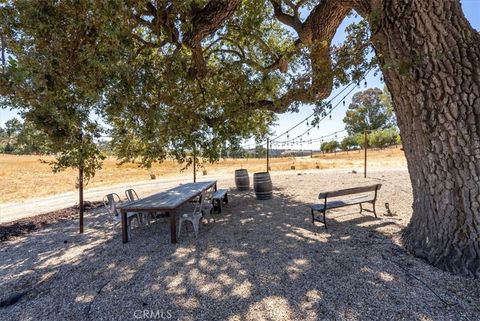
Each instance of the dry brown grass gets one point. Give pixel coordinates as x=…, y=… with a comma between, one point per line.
x=22, y=177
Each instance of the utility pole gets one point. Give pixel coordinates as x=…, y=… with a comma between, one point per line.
x=365, y=160
x=268, y=154
x=194, y=164
x=80, y=182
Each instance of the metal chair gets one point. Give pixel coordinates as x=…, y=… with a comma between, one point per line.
x=194, y=216
x=207, y=207
x=111, y=201
x=131, y=196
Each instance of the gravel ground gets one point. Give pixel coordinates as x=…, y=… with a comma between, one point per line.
x=260, y=260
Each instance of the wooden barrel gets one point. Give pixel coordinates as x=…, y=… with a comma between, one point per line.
x=262, y=184
x=242, y=181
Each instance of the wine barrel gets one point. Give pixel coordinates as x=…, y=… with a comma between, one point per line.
x=262, y=184
x=242, y=181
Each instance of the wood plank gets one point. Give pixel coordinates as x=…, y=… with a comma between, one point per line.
x=219, y=194
x=349, y=191
x=169, y=199
x=342, y=203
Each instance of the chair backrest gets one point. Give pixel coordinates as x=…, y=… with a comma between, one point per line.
x=110, y=202
x=131, y=195
x=353, y=190
x=209, y=194
x=199, y=205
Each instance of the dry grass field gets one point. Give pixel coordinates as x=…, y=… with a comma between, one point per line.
x=23, y=177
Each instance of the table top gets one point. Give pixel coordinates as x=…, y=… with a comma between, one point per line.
x=168, y=200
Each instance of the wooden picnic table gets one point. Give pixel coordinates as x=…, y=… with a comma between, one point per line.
x=168, y=201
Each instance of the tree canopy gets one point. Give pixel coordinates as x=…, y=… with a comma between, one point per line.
x=330, y=146
x=167, y=76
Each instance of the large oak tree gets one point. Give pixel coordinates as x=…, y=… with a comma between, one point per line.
x=212, y=61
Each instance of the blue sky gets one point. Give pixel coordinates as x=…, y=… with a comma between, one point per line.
x=471, y=9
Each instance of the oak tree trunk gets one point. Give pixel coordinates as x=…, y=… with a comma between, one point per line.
x=430, y=58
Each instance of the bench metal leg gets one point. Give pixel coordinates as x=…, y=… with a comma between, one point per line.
x=324, y=219
x=226, y=199
x=367, y=210
x=217, y=205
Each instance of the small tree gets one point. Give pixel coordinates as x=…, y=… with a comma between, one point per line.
x=260, y=151
x=330, y=146
x=383, y=138
x=30, y=140
x=236, y=151
x=349, y=142
x=12, y=128
x=369, y=110
x=55, y=73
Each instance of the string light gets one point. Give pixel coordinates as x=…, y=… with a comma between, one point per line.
x=323, y=114
x=365, y=84
x=329, y=103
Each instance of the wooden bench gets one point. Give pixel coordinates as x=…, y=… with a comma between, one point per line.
x=220, y=196
x=337, y=203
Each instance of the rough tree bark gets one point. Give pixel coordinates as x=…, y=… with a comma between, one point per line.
x=430, y=57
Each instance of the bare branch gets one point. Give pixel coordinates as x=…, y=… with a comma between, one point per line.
x=206, y=21
x=292, y=21
x=316, y=33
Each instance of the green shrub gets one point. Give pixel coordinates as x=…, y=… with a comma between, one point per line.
x=383, y=138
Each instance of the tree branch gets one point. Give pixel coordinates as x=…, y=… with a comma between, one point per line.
x=291, y=21
x=206, y=21
x=316, y=33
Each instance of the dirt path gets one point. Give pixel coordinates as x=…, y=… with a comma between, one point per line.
x=39, y=205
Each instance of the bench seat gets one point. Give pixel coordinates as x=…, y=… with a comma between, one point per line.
x=342, y=203
x=220, y=196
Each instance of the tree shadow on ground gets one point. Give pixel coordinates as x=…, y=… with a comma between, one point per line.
x=260, y=260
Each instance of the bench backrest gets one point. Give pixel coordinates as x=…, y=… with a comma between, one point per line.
x=348, y=191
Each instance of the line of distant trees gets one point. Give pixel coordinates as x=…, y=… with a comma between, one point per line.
x=17, y=137
x=376, y=139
